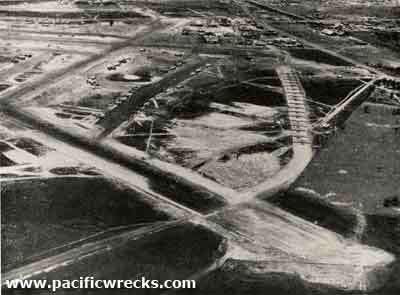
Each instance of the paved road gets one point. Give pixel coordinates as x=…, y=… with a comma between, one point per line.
x=243, y=5
x=277, y=10
x=84, y=40
x=8, y=96
x=269, y=227
x=254, y=232
x=301, y=137
x=58, y=33
x=86, y=250
x=346, y=107
x=23, y=66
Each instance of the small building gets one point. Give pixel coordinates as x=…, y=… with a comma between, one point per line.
x=225, y=22
x=328, y=32
x=211, y=39
x=197, y=24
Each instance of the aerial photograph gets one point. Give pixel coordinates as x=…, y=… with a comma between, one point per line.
x=206, y=147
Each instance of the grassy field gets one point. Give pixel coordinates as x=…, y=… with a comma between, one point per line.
x=359, y=164
x=38, y=215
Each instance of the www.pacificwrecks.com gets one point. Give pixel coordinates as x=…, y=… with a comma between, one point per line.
x=92, y=283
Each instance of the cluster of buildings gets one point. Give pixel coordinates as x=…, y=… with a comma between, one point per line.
x=208, y=29
x=96, y=2
x=391, y=84
x=285, y=42
x=344, y=29
x=376, y=24
x=335, y=30
x=220, y=30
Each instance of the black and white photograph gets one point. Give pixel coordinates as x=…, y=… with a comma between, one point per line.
x=205, y=147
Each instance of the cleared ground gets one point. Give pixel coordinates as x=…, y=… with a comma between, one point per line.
x=358, y=165
x=174, y=192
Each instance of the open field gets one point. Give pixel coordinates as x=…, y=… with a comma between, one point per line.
x=36, y=221
x=357, y=166
x=250, y=145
